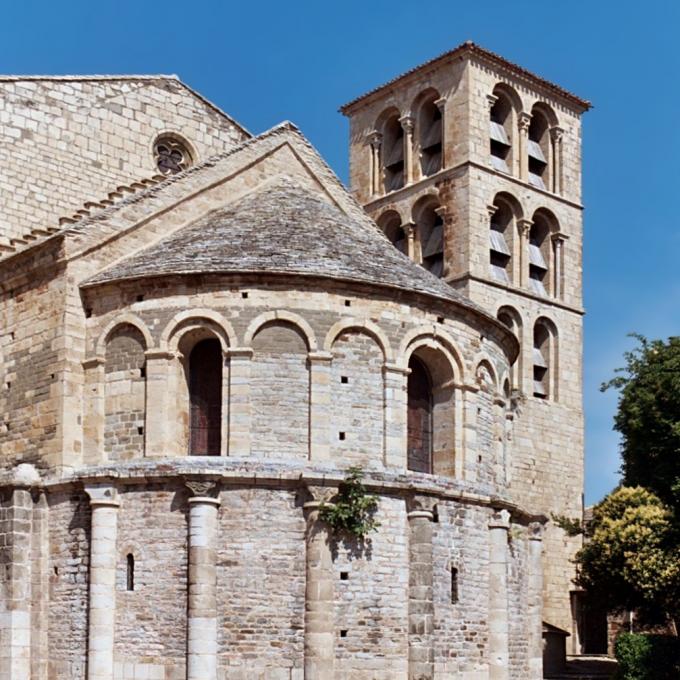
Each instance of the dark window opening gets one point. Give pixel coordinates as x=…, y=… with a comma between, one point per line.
x=341, y=436
x=205, y=398
x=419, y=435
x=244, y=296
x=430, y=139
x=500, y=134
x=431, y=234
x=130, y=576
x=344, y=575
x=538, y=257
x=540, y=356
x=343, y=633
x=454, y=585
x=142, y=372
x=538, y=150
x=344, y=379
x=391, y=225
x=393, y=155
x=140, y=298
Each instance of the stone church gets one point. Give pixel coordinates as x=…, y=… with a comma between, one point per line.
x=202, y=329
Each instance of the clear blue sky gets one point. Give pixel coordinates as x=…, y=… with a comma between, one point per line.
x=264, y=62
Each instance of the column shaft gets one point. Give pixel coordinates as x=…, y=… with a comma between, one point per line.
x=499, y=657
x=523, y=128
x=158, y=412
x=319, y=599
x=202, y=596
x=535, y=601
x=102, y=605
x=420, y=604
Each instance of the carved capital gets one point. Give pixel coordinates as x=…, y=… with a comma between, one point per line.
x=556, y=133
x=500, y=520
x=559, y=237
x=440, y=104
x=536, y=531
x=491, y=99
x=375, y=139
x=203, y=488
x=523, y=121
x=491, y=210
x=524, y=226
x=442, y=211
x=409, y=229
x=407, y=123
x=102, y=494
x=315, y=495
x=420, y=506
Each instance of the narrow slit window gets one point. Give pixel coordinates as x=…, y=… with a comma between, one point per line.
x=454, y=585
x=130, y=575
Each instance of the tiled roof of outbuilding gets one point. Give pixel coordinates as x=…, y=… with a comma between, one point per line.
x=470, y=47
x=283, y=228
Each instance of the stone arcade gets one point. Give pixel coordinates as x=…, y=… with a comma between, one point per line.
x=201, y=330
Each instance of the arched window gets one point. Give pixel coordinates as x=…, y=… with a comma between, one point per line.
x=205, y=398
x=501, y=242
x=430, y=137
x=390, y=223
x=539, y=256
x=419, y=440
x=501, y=130
x=545, y=360
x=171, y=154
x=510, y=318
x=539, y=149
x=430, y=233
x=393, y=154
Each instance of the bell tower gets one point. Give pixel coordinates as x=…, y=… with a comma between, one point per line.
x=472, y=167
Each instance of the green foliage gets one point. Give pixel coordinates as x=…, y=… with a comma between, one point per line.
x=572, y=527
x=648, y=417
x=354, y=508
x=647, y=657
x=632, y=557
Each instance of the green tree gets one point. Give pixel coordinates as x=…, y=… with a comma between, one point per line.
x=648, y=417
x=631, y=558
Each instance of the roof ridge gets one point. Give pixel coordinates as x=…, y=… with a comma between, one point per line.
x=471, y=47
x=74, y=77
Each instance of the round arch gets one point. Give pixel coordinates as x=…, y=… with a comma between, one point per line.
x=366, y=326
x=194, y=319
x=281, y=315
x=123, y=320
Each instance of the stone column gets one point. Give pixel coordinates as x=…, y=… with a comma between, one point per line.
x=444, y=213
x=395, y=381
x=523, y=121
x=319, y=591
x=410, y=231
x=407, y=126
x=239, y=401
x=535, y=601
x=158, y=412
x=420, y=603
x=499, y=657
x=202, y=580
x=441, y=105
x=320, y=405
x=15, y=552
x=93, y=411
x=375, y=140
x=523, y=230
x=556, y=135
x=558, y=240
x=102, y=605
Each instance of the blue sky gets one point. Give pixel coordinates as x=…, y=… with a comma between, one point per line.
x=264, y=62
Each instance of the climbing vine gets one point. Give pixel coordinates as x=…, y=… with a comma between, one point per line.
x=353, y=509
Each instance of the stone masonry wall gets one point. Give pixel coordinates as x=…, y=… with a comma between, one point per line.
x=64, y=141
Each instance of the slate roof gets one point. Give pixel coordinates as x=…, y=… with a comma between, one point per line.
x=470, y=47
x=283, y=228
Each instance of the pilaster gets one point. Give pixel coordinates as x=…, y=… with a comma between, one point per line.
x=93, y=410
x=320, y=405
x=158, y=417
x=395, y=382
x=240, y=415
